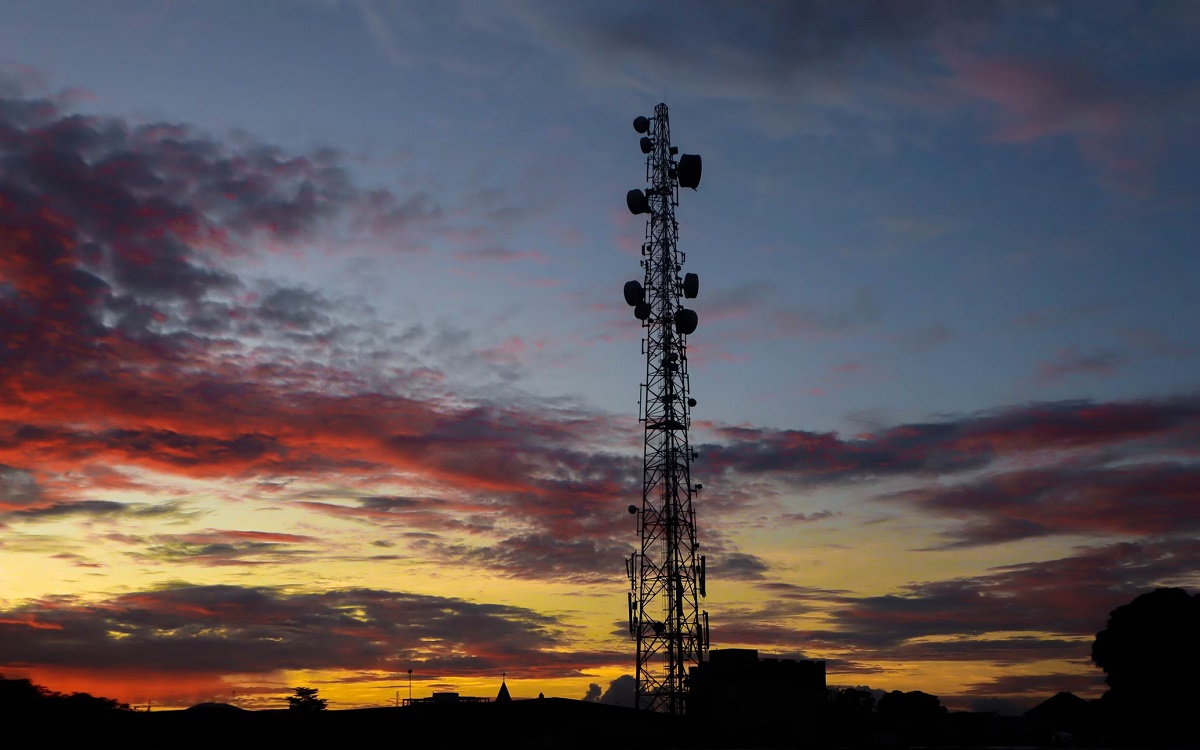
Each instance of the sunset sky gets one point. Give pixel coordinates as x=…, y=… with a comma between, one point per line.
x=315, y=367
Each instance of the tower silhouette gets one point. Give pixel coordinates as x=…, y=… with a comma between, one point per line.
x=666, y=575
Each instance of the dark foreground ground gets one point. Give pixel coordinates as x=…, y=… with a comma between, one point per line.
x=543, y=723
x=546, y=723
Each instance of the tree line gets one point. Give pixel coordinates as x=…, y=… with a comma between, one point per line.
x=23, y=695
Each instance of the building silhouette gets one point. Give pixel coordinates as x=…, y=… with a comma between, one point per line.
x=736, y=691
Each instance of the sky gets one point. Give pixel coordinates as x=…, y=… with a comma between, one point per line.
x=315, y=367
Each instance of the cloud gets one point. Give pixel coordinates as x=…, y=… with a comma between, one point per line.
x=1010, y=616
x=539, y=556
x=498, y=254
x=18, y=488
x=410, y=512
x=218, y=547
x=114, y=272
x=1155, y=499
x=736, y=566
x=620, y=692
x=1117, y=115
x=752, y=302
x=1069, y=364
x=1083, y=683
x=140, y=325
x=820, y=515
x=821, y=67
x=783, y=590
x=294, y=308
x=956, y=445
x=131, y=343
x=1007, y=651
x=228, y=627
x=192, y=631
x=862, y=312
x=1055, y=316
x=760, y=51
x=1069, y=596
x=1041, y=99
x=117, y=235
x=93, y=509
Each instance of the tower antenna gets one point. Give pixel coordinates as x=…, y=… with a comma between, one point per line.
x=666, y=575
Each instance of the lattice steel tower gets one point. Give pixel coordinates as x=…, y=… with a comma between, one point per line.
x=666, y=575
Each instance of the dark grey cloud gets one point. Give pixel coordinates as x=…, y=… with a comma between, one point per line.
x=407, y=512
x=1012, y=615
x=748, y=50
x=1046, y=685
x=820, y=515
x=496, y=254
x=620, y=692
x=1068, y=597
x=93, y=509
x=1004, y=651
x=382, y=213
x=293, y=307
x=1129, y=500
x=224, y=548
x=18, y=488
x=394, y=503
x=166, y=446
x=1071, y=364
x=782, y=590
x=736, y=566
x=539, y=556
x=816, y=458
x=957, y=445
x=240, y=629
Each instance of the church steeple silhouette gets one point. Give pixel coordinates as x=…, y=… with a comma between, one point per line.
x=503, y=696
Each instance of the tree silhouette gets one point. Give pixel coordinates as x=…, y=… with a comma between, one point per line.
x=1150, y=654
x=913, y=710
x=850, y=714
x=853, y=703
x=20, y=695
x=305, y=699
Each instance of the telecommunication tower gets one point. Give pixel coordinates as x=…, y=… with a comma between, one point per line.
x=666, y=575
